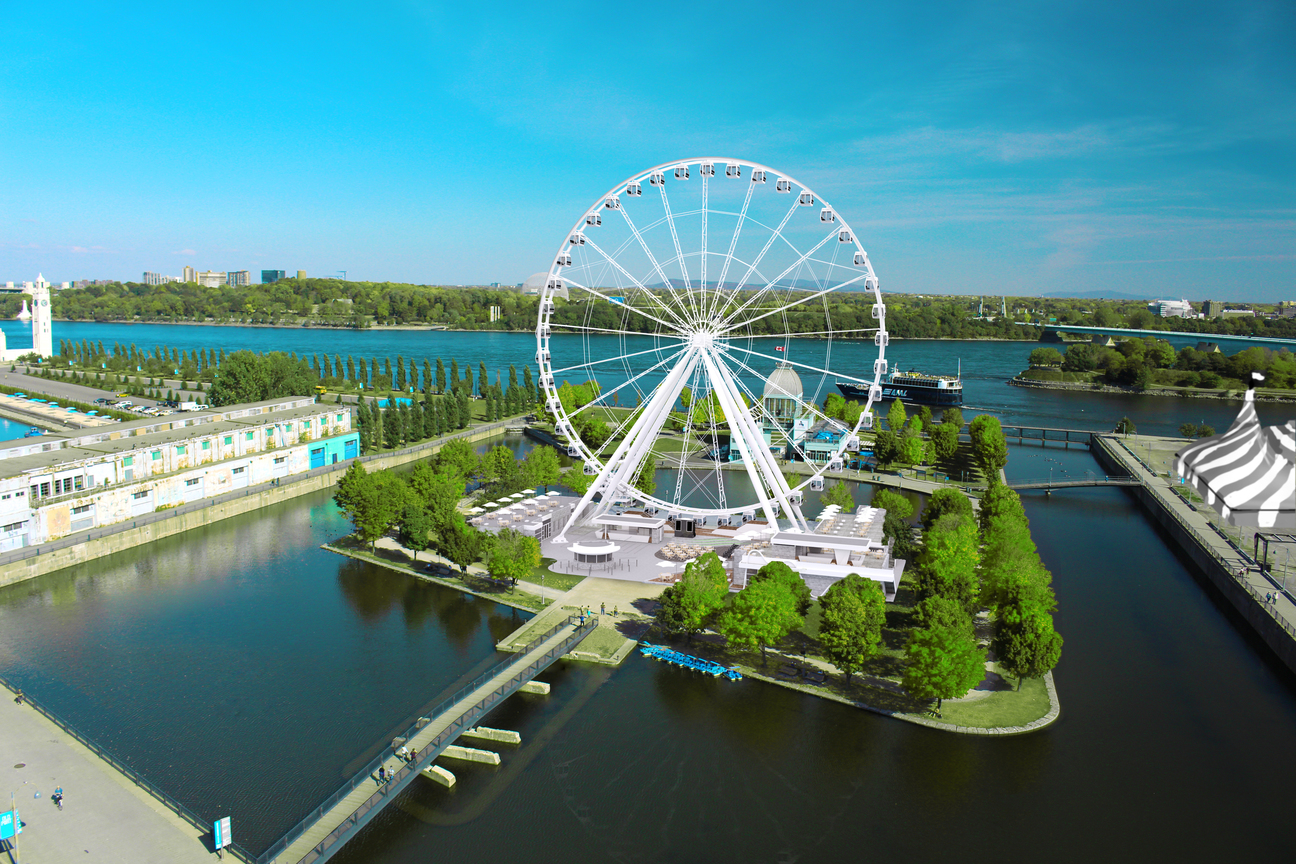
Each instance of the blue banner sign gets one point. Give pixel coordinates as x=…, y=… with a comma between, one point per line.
x=10, y=824
x=221, y=830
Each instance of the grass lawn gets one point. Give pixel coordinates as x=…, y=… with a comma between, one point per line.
x=557, y=581
x=1002, y=708
x=603, y=641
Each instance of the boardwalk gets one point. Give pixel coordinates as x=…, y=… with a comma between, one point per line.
x=318, y=837
x=1074, y=484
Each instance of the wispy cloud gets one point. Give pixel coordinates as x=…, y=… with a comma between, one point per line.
x=185, y=252
x=91, y=250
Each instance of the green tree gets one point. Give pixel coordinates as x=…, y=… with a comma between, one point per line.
x=440, y=376
x=350, y=486
x=948, y=563
x=850, y=630
x=1126, y=427
x=459, y=542
x=942, y=664
x=886, y=448
x=944, y=441
x=459, y=456
x=413, y=529
x=937, y=611
x=954, y=417
x=689, y=604
x=1188, y=430
x=373, y=504
x=762, y=614
x=1025, y=642
x=943, y=502
x=988, y=446
x=543, y=467
x=897, y=417
x=895, y=524
x=789, y=580
x=839, y=494
x=247, y=377
x=513, y=556
x=1046, y=357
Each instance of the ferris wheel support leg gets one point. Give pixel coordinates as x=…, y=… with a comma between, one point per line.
x=756, y=456
x=617, y=471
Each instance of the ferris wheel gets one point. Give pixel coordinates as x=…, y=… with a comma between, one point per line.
x=685, y=342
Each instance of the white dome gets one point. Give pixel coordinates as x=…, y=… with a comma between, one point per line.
x=783, y=383
x=535, y=283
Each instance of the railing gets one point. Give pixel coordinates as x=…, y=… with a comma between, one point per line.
x=1105, y=480
x=25, y=552
x=130, y=773
x=433, y=749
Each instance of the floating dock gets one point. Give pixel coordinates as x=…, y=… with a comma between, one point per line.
x=688, y=661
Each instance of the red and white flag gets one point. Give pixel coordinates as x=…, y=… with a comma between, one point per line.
x=778, y=347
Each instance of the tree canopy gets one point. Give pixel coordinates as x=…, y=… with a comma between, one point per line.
x=247, y=377
x=943, y=664
x=850, y=630
x=762, y=614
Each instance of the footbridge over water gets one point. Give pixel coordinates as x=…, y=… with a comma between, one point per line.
x=1050, y=485
x=343, y=814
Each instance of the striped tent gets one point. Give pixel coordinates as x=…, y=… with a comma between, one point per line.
x=1248, y=474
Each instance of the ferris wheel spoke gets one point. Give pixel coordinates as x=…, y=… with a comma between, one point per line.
x=814, y=296
x=688, y=426
x=776, y=234
x=702, y=266
x=729, y=256
x=597, y=401
x=809, y=407
x=776, y=360
x=587, y=329
x=652, y=259
x=603, y=360
x=800, y=335
x=760, y=294
x=636, y=309
x=639, y=285
x=679, y=254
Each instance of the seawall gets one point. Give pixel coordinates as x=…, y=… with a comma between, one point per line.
x=32, y=561
x=1229, y=570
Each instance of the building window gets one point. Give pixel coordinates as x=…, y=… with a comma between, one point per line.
x=206, y=445
x=306, y=424
x=339, y=418
x=78, y=483
x=138, y=495
x=279, y=460
x=194, y=482
x=157, y=454
x=5, y=497
x=249, y=435
x=84, y=508
x=238, y=470
x=229, y=439
x=128, y=461
x=13, y=526
x=180, y=450
x=41, y=490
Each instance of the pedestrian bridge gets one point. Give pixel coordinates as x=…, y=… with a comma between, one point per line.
x=343, y=814
x=1049, y=485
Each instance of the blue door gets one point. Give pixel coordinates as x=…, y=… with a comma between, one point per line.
x=317, y=457
x=350, y=448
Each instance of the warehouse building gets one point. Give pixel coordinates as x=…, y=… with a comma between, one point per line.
x=56, y=485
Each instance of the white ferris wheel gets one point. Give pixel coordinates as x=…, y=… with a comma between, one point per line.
x=685, y=339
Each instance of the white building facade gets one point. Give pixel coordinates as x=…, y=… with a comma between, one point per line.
x=54, y=486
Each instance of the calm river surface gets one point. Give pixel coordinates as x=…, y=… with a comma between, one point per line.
x=247, y=672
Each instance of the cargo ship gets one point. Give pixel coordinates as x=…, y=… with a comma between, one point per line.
x=912, y=386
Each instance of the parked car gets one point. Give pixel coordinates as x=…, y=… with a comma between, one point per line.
x=103, y=402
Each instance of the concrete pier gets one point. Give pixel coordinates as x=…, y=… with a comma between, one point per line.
x=540, y=687
x=485, y=733
x=105, y=817
x=437, y=774
x=470, y=754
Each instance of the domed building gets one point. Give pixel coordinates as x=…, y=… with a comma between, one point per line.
x=784, y=420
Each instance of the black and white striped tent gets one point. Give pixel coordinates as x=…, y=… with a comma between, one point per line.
x=1248, y=474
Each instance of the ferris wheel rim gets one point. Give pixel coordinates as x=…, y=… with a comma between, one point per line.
x=563, y=419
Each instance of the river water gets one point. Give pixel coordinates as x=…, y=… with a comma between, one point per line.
x=247, y=672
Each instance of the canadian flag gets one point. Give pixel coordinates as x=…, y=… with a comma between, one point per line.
x=778, y=347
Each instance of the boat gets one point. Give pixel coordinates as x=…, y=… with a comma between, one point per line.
x=912, y=386
x=34, y=431
x=688, y=661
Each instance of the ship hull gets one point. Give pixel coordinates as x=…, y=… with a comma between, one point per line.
x=905, y=393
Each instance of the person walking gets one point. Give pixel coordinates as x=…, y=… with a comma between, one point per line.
x=602, y=608
x=382, y=774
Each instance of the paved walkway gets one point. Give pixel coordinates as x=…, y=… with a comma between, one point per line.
x=106, y=817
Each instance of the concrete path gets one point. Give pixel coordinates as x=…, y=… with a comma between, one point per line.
x=105, y=819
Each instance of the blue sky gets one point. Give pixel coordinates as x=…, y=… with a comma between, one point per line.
x=1143, y=147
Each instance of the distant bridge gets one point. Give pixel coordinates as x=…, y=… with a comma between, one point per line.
x=1172, y=335
x=1050, y=485
x=343, y=814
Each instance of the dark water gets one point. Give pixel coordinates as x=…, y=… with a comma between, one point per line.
x=247, y=671
x=242, y=668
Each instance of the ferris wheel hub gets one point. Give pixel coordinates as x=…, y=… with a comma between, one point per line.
x=702, y=340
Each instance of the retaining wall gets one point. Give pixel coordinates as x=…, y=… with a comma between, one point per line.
x=1221, y=572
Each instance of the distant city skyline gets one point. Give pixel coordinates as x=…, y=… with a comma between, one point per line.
x=1018, y=149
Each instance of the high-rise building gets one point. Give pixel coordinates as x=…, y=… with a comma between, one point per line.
x=1171, y=308
x=210, y=278
x=238, y=277
x=301, y=274
x=269, y=276
x=153, y=278
x=190, y=274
